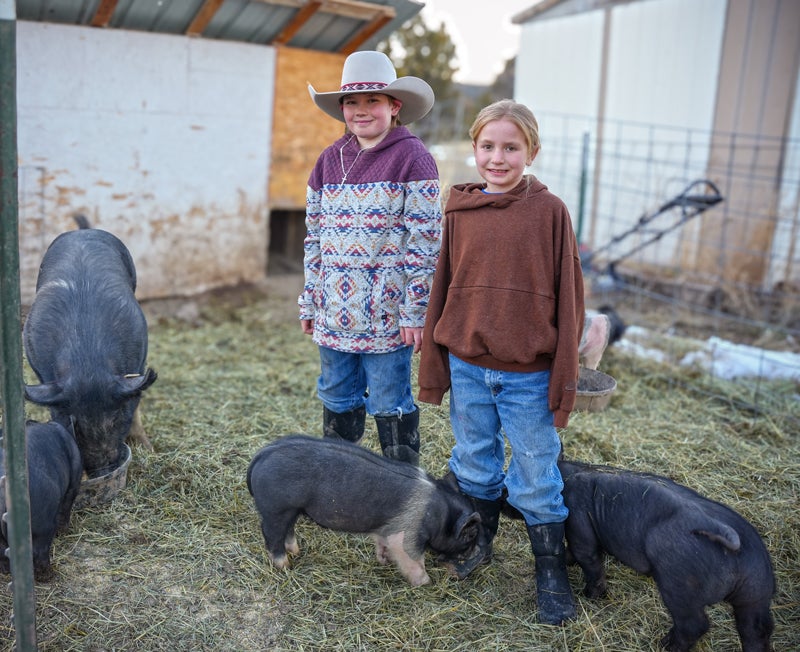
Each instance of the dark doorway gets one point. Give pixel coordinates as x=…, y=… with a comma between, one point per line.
x=287, y=229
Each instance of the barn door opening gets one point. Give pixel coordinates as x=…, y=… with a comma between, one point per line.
x=287, y=230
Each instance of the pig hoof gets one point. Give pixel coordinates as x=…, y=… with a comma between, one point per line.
x=292, y=546
x=280, y=561
x=381, y=554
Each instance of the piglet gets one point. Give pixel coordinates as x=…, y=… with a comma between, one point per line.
x=54, y=477
x=345, y=487
x=698, y=551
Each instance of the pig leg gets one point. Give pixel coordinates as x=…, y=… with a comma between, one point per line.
x=689, y=621
x=42, y=570
x=277, y=531
x=412, y=569
x=290, y=542
x=754, y=624
x=594, y=340
x=381, y=550
x=586, y=551
x=137, y=434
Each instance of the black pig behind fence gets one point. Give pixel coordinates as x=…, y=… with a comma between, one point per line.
x=343, y=486
x=698, y=551
x=54, y=477
x=85, y=338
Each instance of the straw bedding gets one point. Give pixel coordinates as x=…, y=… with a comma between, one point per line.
x=176, y=562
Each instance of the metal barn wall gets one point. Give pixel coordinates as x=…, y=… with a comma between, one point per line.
x=684, y=90
x=163, y=140
x=651, y=63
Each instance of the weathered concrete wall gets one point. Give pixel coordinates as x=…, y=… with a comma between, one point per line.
x=163, y=140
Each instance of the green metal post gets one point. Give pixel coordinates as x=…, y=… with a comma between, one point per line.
x=18, y=514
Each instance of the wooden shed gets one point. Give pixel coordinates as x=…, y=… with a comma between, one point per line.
x=184, y=127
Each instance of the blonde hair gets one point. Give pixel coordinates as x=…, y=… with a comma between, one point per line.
x=513, y=111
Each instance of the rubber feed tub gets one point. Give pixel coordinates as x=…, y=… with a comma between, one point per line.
x=96, y=491
x=594, y=390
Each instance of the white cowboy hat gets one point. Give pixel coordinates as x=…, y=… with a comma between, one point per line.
x=372, y=72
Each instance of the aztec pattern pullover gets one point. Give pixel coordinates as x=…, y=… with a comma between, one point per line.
x=373, y=220
x=508, y=291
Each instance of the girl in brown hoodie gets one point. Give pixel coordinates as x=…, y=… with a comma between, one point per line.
x=501, y=333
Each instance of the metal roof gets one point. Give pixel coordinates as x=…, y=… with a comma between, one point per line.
x=560, y=8
x=324, y=25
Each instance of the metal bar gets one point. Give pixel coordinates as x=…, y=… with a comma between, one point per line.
x=11, y=380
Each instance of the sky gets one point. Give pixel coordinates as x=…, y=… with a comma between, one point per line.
x=484, y=39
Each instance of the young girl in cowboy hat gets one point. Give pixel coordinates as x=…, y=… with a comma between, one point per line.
x=373, y=222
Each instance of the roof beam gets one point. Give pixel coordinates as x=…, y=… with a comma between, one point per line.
x=375, y=16
x=347, y=8
x=203, y=17
x=105, y=10
x=301, y=17
x=371, y=28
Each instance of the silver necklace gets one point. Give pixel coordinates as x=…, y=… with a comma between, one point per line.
x=341, y=158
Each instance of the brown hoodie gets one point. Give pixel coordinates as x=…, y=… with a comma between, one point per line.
x=508, y=291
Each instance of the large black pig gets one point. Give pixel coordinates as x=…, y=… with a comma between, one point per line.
x=54, y=478
x=345, y=487
x=698, y=551
x=86, y=339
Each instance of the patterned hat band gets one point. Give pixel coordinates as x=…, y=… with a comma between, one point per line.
x=357, y=87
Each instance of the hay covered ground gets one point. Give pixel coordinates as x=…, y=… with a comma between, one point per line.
x=177, y=562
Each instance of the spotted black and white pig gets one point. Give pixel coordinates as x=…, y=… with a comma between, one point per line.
x=86, y=339
x=54, y=478
x=698, y=551
x=345, y=487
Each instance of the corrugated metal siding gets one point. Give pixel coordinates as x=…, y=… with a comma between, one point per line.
x=330, y=29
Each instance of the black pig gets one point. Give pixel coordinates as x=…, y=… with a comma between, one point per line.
x=698, y=551
x=54, y=478
x=86, y=339
x=345, y=487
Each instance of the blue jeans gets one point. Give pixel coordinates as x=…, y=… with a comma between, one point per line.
x=346, y=377
x=484, y=404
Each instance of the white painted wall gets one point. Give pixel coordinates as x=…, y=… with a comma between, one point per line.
x=163, y=140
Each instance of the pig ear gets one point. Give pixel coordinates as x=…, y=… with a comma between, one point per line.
x=45, y=394
x=133, y=383
x=467, y=526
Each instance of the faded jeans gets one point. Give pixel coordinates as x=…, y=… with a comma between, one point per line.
x=346, y=377
x=485, y=404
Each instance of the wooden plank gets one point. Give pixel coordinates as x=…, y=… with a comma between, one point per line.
x=295, y=150
x=347, y=8
x=105, y=10
x=301, y=18
x=203, y=17
x=366, y=32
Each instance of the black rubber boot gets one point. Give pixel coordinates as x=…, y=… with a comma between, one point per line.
x=399, y=437
x=482, y=552
x=553, y=592
x=344, y=425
